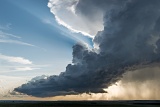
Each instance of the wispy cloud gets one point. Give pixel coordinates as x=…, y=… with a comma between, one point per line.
x=25, y=68
x=15, y=42
x=20, y=68
x=8, y=35
x=12, y=39
x=5, y=27
x=15, y=64
x=12, y=64
x=19, y=60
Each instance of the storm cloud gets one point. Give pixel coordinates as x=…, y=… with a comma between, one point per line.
x=140, y=84
x=67, y=15
x=129, y=40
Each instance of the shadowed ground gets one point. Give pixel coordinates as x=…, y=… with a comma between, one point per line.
x=137, y=103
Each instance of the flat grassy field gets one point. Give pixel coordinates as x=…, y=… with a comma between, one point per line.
x=78, y=104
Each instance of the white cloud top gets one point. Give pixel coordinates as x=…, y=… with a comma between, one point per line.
x=66, y=14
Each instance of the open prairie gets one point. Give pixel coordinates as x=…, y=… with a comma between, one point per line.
x=80, y=103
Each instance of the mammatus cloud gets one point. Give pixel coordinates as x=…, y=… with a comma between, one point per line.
x=126, y=43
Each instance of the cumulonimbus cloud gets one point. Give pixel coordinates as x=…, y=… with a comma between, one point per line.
x=126, y=42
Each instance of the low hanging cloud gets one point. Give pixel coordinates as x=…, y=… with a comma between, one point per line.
x=126, y=43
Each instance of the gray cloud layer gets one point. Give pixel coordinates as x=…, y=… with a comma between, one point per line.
x=130, y=38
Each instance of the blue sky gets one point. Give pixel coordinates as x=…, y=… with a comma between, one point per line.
x=29, y=32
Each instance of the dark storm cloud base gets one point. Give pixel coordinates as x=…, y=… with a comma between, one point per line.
x=127, y=103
